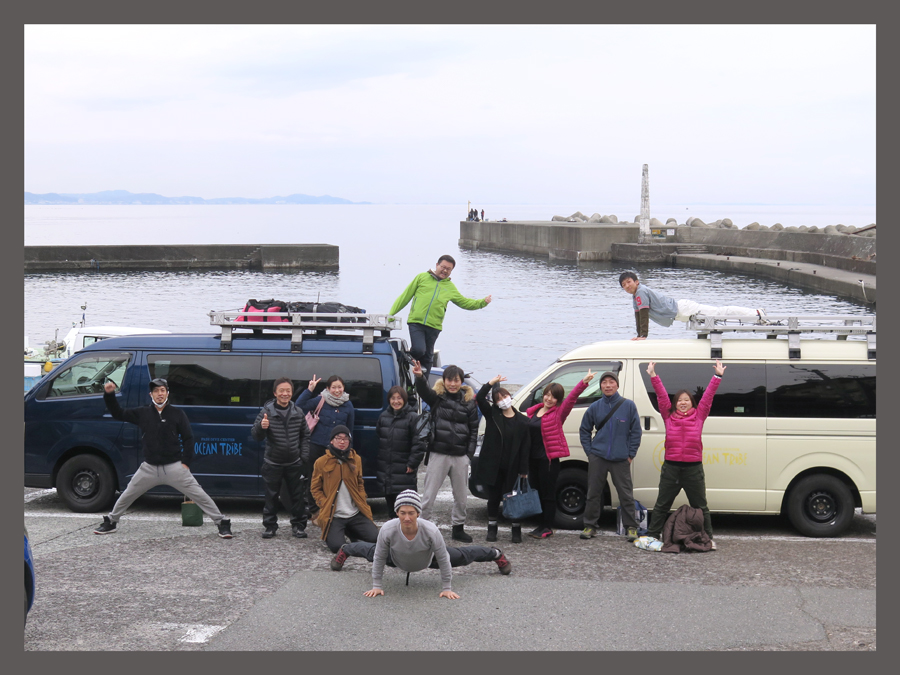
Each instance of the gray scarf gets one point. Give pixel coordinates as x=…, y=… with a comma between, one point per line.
x=334, y=401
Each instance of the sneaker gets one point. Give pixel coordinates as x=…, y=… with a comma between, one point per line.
x=298, y=532
x=503, y=564
x=224, y=526
x=337, y=563
x=588, y=533
x=106, y=527
x=541, y=533
x=712, y=543
x=632, y=534
x=269, y=533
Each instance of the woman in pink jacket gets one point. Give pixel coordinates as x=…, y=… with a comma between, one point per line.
x=683, y=465
x=548, y=444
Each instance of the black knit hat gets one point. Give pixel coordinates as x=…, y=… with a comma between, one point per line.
x=340, y=429
x=611, y=374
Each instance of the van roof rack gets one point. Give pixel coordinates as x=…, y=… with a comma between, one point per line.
x=792, y=325
x=310, y=322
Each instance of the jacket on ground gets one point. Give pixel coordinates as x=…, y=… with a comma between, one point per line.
x=455, y=418
x=287, y=438
x=398, y=449
x=328, y=474
x=684, y=432
x=684, y=531
x=620, y=437
x=430, y=296
x=552, y=422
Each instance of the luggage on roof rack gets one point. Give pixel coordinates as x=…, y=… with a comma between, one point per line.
x=310, y=322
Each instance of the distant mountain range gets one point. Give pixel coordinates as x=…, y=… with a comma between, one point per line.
x=125, y=197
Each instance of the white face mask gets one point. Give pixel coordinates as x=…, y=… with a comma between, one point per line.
x=504, y=403
x=159, y=406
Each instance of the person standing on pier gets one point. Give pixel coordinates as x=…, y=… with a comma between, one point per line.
x=651, y=304
x=430, y=293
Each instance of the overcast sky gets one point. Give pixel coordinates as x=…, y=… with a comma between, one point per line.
x=444, y=114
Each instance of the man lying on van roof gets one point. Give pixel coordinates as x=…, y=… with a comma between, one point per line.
x=651, y=304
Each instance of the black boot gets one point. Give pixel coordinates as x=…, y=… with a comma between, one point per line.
x=459, y=534
x=517, y=534
x=492, y=532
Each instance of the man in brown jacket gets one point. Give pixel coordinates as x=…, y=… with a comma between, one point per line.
x=338, y=488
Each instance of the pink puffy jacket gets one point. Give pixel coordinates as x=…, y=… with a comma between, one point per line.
x=551, y=422
x=684, y=431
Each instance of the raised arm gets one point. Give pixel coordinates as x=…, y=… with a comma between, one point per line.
x=460, y=300
x=663, y=402
x=481, y=399
x=569, y=401
x=706, y=400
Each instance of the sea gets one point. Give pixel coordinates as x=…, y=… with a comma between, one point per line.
x=540, y=308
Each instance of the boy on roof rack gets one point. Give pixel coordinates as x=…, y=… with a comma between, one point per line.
x=651, y=304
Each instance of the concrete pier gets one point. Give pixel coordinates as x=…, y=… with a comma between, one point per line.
x=189, y=256
x=834, y=263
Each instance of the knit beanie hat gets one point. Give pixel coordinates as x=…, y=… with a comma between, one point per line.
x=408, y=498
x=611, y=374
x=340, y=429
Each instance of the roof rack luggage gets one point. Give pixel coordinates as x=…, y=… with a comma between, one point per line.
x=317, y=323
x=712, y=327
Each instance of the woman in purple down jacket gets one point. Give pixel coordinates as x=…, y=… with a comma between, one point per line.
x=683, y=465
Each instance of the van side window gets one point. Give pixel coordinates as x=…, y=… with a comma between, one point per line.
x=741, y=393
x=213, y=380
x=568, y=376
x=821, y=390
x=361, y=375
x=87, y=375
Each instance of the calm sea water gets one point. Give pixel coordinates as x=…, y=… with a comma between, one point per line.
x=540, y=308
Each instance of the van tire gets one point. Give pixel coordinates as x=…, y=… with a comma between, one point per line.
x=571, y=496
x=820, y=506
x=86, y=483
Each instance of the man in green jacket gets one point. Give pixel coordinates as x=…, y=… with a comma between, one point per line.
x=430, y=292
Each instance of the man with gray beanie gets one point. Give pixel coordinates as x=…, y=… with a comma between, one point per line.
x=413, y=544
x=611, y=451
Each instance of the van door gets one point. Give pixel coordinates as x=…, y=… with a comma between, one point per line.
x=734, y=435
x=220, y=394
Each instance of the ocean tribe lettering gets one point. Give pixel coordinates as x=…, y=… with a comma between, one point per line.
x=218, y=446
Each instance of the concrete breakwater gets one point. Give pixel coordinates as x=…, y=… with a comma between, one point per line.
x=842, y=264
x=187, y=256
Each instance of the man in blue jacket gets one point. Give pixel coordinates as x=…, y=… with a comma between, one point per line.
x=610, y=451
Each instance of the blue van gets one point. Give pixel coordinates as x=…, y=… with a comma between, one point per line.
x=72, y=443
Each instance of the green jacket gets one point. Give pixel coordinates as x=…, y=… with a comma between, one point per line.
x=430, y=296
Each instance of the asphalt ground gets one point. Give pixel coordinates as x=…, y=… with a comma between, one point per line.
x=155, y=585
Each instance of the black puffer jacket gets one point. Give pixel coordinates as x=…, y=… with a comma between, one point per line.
x=287, y=438
x=455, y=418
x=398, y=449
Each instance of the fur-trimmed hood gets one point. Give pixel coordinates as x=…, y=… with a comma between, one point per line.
x=440, y=390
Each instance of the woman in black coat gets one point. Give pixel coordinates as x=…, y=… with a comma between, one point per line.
x=504, y=451
x=399, y=451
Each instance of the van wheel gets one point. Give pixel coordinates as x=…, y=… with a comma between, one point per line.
x=571, y=496
x=86, y=484
x=820, y=506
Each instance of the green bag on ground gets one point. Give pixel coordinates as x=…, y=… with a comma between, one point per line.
x=191, y=515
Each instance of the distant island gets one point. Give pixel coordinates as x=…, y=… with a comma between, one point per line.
x=129, y=198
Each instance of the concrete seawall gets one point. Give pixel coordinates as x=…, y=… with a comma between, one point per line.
x=835, y=263
x=196, y=256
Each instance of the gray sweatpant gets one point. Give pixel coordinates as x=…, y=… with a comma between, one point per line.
x=174, y=475
x=439, y=467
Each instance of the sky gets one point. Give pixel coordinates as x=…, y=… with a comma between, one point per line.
x=444, y=114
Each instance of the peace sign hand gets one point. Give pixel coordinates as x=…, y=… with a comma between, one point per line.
x=588, y=377
x=314, y=382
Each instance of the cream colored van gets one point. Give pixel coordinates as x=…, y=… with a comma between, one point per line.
x=785, y=435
